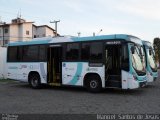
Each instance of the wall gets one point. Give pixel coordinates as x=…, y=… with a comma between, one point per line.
x=49, y=32
x=41, y=32
x=27, y=27
x=14, y=32
x=34, y=28
x=4, y=36
x=1, y=33
x=3, y=69
x=1, y=36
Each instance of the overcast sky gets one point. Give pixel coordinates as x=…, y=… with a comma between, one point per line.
x=140, y=18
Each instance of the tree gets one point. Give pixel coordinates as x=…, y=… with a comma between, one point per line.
x=156, y=45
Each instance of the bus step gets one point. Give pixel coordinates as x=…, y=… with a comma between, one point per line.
x=54, y=84
x=114, y=77
x=114, y=83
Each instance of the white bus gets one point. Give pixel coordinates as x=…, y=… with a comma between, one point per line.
x=108, y=61
x=151, y=67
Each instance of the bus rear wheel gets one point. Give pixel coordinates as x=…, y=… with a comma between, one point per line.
x=34, y=81
x=94, y=84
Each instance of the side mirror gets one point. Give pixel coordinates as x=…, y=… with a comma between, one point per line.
x=133, y=49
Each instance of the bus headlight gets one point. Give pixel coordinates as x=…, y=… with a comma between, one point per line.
x=135, y=76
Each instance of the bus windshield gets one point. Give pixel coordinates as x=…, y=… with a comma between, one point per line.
x=142, y=56
x=151, y=59
x=136, y=60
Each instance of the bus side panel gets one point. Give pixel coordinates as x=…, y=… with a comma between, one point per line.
x=20, y=71
x=128, y=81
x=43, y=72
x=73, y=73
x=132, y=82
x=124, y=79
x=12, y=70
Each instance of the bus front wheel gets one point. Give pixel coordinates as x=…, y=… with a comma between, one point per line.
x=34, y=81
x=94, y=84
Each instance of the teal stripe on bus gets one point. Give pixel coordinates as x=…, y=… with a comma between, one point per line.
x=77, y=74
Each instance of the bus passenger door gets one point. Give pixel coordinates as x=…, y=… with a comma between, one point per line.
x=54, y=65
x=113, y=66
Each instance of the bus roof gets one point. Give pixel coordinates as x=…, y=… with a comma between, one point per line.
x=147, y=43
x=76, y=39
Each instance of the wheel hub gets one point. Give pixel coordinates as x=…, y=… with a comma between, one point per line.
x=93, y=84
x=34, y=82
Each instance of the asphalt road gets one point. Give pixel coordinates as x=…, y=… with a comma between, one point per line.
x=19, y=98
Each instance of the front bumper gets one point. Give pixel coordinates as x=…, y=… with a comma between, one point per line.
x=155, y=78
x=143, y=84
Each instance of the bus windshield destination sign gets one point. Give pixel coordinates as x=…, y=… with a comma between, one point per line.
x=113, y=42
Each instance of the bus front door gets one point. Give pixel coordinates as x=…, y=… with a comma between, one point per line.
x=54, y=66
x=113, y=66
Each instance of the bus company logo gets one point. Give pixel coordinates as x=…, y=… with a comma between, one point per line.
x=23, y=66
x=92, y=69
x=34, y=67
x=13, y=67
x=71, y=69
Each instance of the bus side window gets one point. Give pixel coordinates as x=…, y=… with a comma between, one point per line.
x=92, y=51
x=72, y=51
x=85, y=51
x=20, y=53
x=125, y=58
x=12, y=54
x=30, y=53
x=96, y=51
x=42, y=53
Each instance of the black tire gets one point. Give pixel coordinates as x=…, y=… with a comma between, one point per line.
x=34, y=81
x=94, y=84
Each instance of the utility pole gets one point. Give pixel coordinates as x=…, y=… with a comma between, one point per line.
x=94, y=34
x=55, y=25
x=79, y=34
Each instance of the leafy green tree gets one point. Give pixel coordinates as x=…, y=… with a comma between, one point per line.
x=156, y=44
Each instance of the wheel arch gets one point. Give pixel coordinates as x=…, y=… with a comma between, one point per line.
x=31, y=73
x=89, y=75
